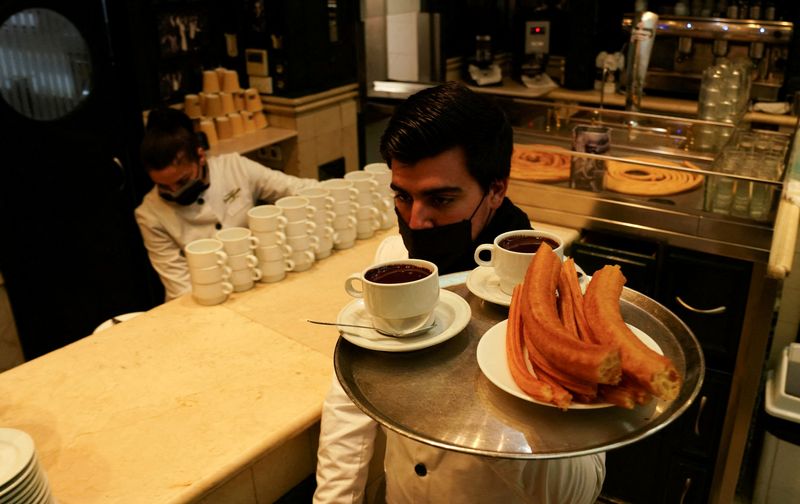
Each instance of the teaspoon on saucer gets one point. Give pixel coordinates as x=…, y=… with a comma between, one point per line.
x=391, y=334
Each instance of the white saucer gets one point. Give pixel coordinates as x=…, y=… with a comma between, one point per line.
x=492, y=360
x=452, y=314
x=484, y=283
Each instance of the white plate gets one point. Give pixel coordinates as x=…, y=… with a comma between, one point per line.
x=484, y=283
x=452, y=314
x=16, y=452
x=494, y=365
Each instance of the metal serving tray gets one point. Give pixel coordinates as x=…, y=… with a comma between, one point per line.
x=440, y=397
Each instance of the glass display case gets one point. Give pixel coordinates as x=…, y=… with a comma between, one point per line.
x=718, y=182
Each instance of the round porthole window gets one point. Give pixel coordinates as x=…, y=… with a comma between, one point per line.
x=45, y=66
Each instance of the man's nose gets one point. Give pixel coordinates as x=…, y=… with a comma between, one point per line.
x=421, y=217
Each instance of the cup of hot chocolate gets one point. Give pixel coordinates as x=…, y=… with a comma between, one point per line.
x=511, y=253
x=400, y=296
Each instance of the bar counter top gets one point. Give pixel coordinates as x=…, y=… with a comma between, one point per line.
x=187, y=402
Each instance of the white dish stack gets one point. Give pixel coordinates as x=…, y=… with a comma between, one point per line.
x=268, y=224
x=22, y=479
x=368, y=217
x=383, y=175
x=322, y=201
x=345, y=205
x=208, y=271
x=299, y=230
x=239, y=244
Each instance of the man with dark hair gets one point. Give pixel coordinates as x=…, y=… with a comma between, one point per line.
x=194, y=196
x=449, y=149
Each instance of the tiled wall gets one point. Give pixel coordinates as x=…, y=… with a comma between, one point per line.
x=323, y=135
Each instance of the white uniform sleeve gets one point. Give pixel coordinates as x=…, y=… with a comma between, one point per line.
x=346, y=444
x=271, y=185
x=165, y=256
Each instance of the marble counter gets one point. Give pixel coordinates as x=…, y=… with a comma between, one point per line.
x=186, y=402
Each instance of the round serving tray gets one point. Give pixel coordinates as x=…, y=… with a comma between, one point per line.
x=439, y=396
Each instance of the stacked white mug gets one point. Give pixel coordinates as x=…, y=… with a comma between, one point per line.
x=208, y=271
x=345, y=205
x=299, y=230
x=239, y=244
x=322, y=201
x=383, y=174
x=268, y=224
x=368, y=216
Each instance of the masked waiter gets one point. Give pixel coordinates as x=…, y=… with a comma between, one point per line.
x=450, y=154
x=195, y=195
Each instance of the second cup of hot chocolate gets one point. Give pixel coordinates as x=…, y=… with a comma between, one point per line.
x=400, y=296
x=511, y=253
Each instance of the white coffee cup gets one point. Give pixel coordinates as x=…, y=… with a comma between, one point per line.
x=205, y=253
x=399, y=295
x=273, y=252
x=303, y=242
x=270, y=238
x=237, y=240
x=340, y=189
x=302, y=259
x=213, y=274
x=324, y=217
x=344, y=222
x=345, y=208
x=510, y=265
x=273, y=271
x=383, y=174
x=211, y=294
x=242, y=261
x=296, y=208
x=300, y=228
x=265, y=218
x=344, y=238
x=318, y=197
x=243, y=279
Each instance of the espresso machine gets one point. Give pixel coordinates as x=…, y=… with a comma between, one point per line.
x=686, y=45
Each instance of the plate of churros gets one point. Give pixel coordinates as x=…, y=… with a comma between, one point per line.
x=493, y=362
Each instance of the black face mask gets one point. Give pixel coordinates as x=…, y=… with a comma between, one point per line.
x=189, y=193
x=442, y=245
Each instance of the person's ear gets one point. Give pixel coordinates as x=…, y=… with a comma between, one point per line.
x=201, y=156
x=497, y=192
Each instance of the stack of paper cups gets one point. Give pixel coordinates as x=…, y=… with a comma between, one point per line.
x=383, y=175
x=239, y=244
x=208, y=271
x=368, y=217
x=322, y=202
x=299, y=228
x=267, y=224
x=344, y=209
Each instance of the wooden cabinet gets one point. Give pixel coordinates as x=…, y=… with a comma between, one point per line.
x=709, y=294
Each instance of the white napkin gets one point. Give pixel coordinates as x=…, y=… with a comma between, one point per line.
x=772, y=107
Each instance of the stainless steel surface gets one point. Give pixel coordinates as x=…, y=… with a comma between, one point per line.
x=391, y=334
x=741, y=30
x=439, y=396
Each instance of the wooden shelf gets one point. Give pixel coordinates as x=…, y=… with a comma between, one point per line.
x=252, y=141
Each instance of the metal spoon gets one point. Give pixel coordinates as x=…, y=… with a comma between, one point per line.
x=391, y=334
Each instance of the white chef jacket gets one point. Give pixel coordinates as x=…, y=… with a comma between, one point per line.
x=236, y=184
x=419, y=473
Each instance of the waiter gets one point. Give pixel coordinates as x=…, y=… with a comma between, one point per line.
x=450, y=154
x=194, y=196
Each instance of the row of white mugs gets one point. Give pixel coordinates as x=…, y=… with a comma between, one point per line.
x=291, y=234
